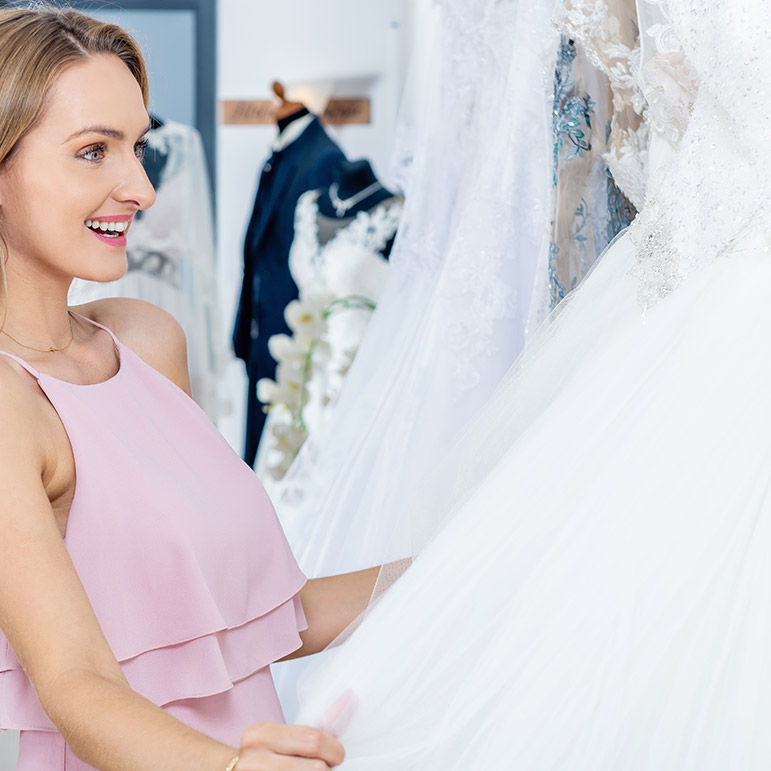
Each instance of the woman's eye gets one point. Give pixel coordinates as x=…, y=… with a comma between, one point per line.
x=139, y=148
x=93, y=154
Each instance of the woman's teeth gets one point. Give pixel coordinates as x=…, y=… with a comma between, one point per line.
x=110, y=229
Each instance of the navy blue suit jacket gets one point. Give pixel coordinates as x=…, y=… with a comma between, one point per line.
x=308, y=163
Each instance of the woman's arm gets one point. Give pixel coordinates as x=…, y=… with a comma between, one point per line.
x=334, y=603
x=330, y=605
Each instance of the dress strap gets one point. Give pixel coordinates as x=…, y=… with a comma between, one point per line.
x=32, y=371
x=97, y=324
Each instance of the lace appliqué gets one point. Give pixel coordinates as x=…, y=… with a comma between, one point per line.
x=657, y=269
x=572, y=138
x=571, y=112
x=589, y=208
x=367, y=234
x=607, y=33
x=671, y=88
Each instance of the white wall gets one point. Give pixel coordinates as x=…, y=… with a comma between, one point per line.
x=317, y=50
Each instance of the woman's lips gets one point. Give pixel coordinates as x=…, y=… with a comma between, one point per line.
x=116, y=240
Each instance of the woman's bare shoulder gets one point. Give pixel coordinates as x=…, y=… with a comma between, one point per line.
x=151, y=332
x=17, y=387
x=21, y=414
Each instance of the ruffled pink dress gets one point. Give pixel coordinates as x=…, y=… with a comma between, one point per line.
x=182, y=557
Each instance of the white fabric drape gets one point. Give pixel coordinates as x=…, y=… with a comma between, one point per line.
x=451, y=319
x=595, y=595
x=449, y=323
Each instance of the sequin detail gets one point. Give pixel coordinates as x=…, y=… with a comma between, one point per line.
x=711, y=196
x=571, y=112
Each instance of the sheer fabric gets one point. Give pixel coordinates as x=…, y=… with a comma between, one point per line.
x=600, y=144
x=448, y=324
x=592, y=593
x=607, y=30
x=451, y=319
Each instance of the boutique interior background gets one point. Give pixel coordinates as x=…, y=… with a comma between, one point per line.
x=341, y=48
x=203, y=52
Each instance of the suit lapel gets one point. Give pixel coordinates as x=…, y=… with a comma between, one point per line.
x=286, y=163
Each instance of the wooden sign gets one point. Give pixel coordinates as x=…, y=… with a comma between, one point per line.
x=262, y=112
x=257, y=112
x=347, y=112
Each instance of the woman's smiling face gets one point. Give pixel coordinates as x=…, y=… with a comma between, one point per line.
x=81, y=163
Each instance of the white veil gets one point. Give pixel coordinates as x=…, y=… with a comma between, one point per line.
x=595, y=593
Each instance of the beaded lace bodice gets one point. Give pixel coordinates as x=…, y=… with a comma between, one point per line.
x=351, y=261
x=690, y=82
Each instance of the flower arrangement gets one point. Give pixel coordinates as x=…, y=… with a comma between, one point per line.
x=299, y=357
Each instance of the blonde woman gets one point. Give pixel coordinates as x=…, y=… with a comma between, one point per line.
x=145, y=585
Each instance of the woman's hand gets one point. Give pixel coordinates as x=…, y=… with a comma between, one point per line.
x=273, y=747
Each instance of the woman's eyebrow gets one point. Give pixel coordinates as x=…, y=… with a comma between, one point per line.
x=105, y=131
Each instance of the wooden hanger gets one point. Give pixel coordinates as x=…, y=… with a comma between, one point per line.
x=286, y=108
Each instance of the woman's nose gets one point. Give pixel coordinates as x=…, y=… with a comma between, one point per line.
x=136, y=187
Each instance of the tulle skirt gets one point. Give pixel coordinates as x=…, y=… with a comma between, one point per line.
x=597, y=596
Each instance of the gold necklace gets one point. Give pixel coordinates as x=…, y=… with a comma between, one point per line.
x=44, y=350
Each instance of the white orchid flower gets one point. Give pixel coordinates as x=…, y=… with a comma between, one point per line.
x=291, y=390
x=290, y=437
x=289, y=440
x=299, y=356
x=322, y=352
x=285, y=349
x=267, y=391
x=306, y=319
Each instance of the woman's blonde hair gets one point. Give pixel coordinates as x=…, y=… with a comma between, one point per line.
x=36, y=45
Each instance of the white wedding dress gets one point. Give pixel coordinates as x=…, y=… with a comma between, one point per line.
x=597, y=595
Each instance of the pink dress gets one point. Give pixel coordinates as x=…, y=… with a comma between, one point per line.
x=182, y=557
